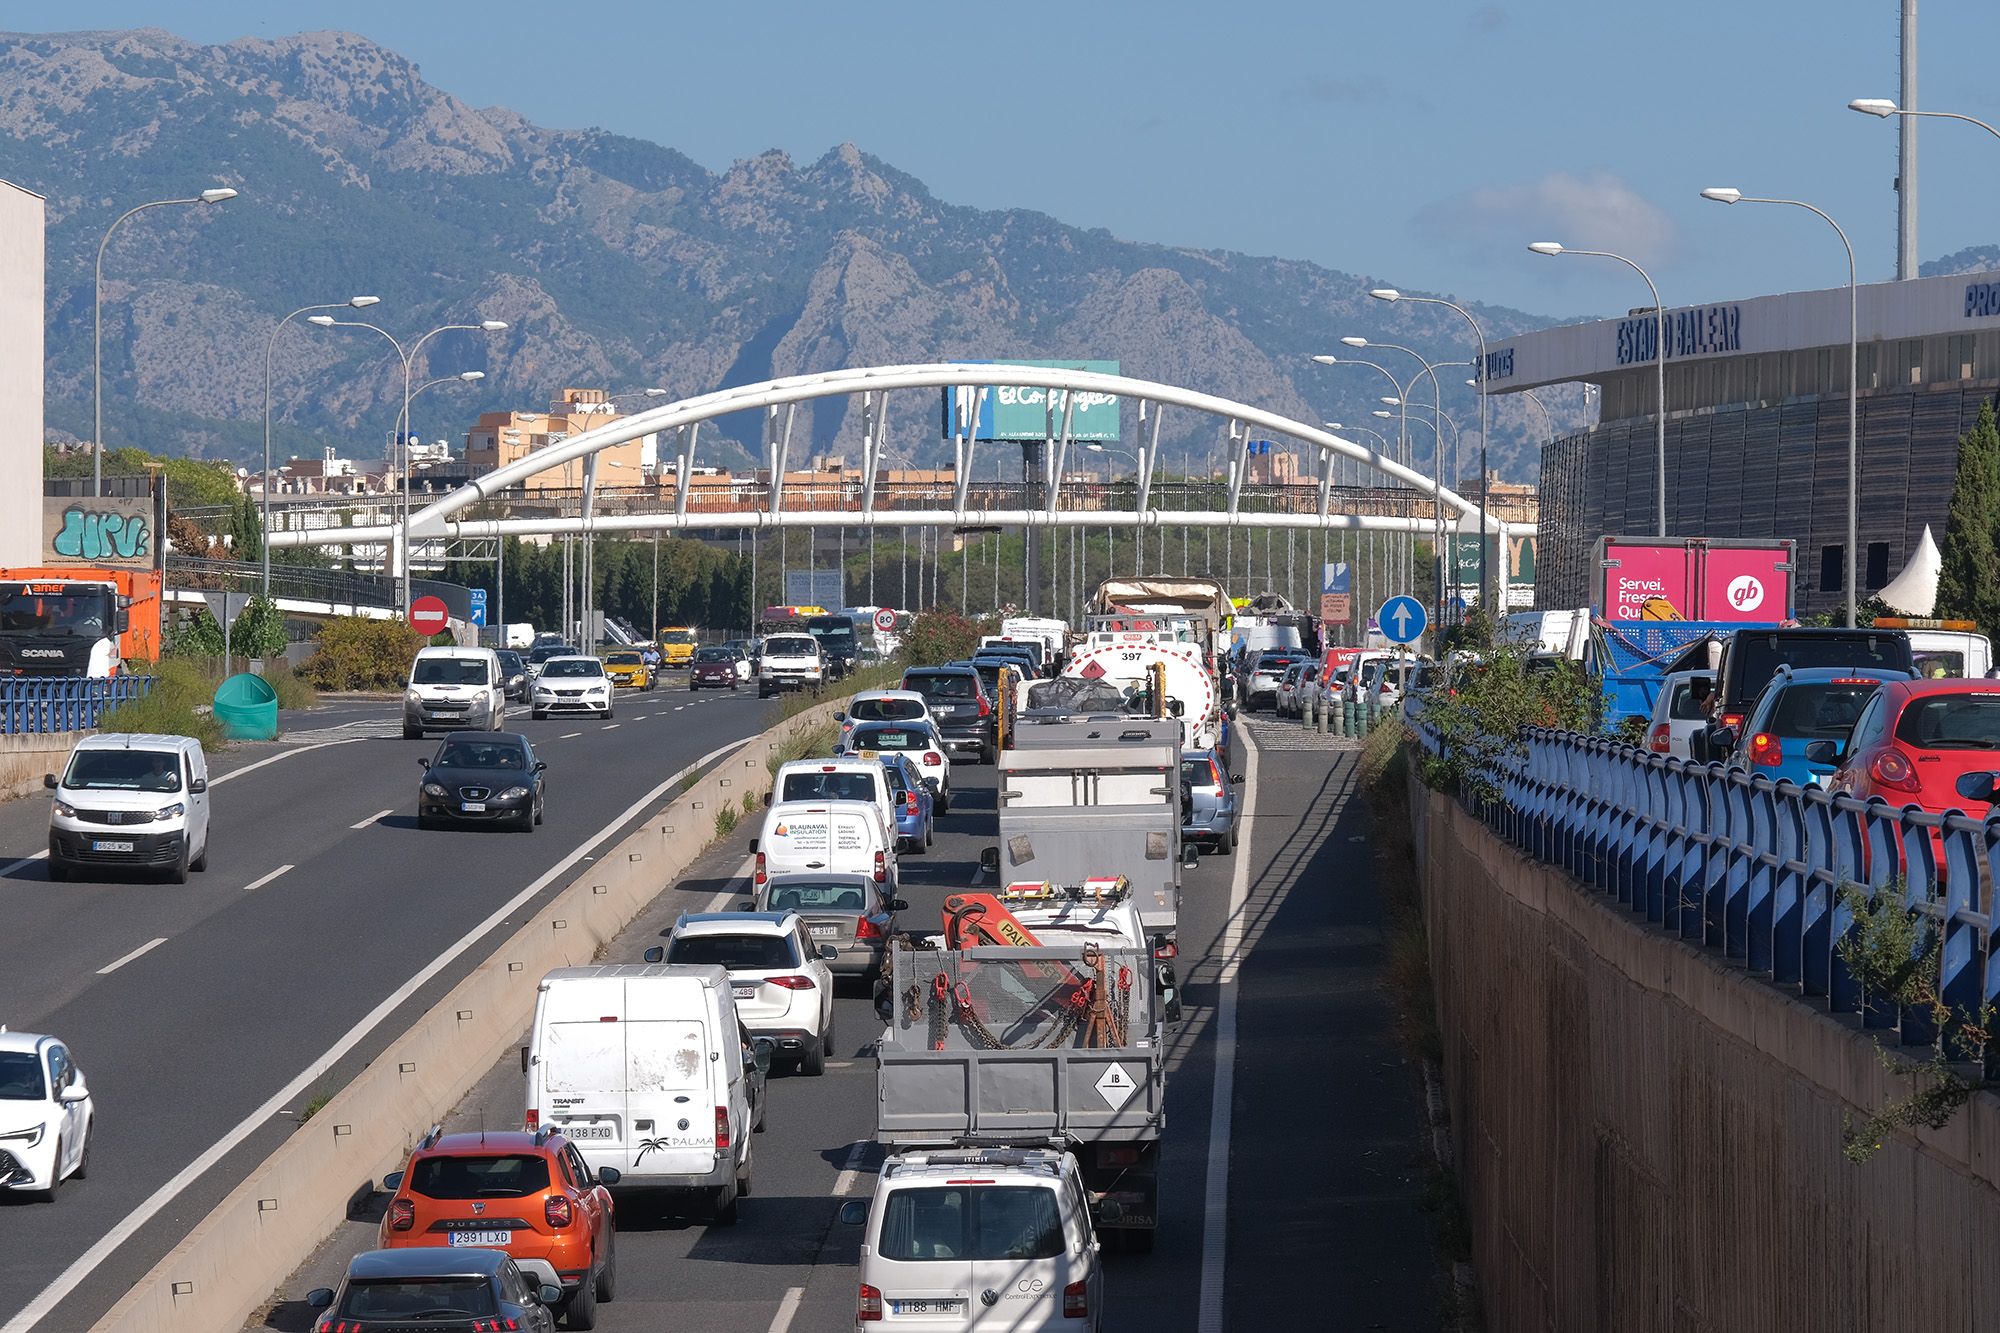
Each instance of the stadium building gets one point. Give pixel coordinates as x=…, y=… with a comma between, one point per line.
x=1757, y=425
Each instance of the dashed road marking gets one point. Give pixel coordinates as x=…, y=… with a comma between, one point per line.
x=850, y=1170
x=262, y=880
x=569, y=735
x=372, y=818
x=610, y=726
x=782, y=1321
x=141, y=951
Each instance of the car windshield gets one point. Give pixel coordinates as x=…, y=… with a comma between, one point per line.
x=1938, y=663
x=890, y=738
x=1198, y=773
x=124, y=770
x=419, y=1298
x=572, y=666
x=1687, y=701
x=715, y=654
x=886, y=710
x=504, y=1176
x=463, y=753
x=510, y=663
x=1819, y=712
x=1952, y=722
x=790, y=645
x=737, y=953
x=971, y=1222
x=624, y=659
x=677, y=636
x=449, y=671
x=943, y=685
x=21, y=1077
x=85, y=611
x=836, y=786
x=817, y=896
x=548, y=650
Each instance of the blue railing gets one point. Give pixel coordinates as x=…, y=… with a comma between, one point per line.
x=1754, y=868
x=30, y=704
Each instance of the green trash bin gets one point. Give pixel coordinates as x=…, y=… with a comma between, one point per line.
x=247, y=708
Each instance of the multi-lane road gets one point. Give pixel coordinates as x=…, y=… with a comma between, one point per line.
x=1293, y=1160
x=207, y=1017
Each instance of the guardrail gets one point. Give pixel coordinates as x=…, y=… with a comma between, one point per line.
x=1754, y=868
x=31, y=705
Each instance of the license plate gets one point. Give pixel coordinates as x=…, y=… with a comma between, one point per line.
x=928, y=1307
x=474, y=807
x=587, y=1133
x=109, y=845
x=483, y=1238
x=823, y=932
x=745, y=992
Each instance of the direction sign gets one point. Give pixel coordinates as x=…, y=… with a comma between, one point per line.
x=885, y=620
x=1403, y=619
x=428, y=615
x=478, y=596
x=1116, y=1087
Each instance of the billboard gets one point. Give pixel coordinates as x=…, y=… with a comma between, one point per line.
x=1693, y=579
x=1336, y=596
x=1520, y=560
x=814, y=587
x=1009, y=413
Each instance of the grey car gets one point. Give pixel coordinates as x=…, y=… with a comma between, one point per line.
x=850, y=912
x=1215, y=807
x=394, y=1289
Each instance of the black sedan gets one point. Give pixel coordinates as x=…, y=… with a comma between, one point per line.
x=482, y=778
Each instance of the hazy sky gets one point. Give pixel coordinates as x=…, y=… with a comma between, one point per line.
x=1423, y=142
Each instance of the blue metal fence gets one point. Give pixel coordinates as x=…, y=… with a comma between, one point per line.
x=31, y=704
x=1753, y=868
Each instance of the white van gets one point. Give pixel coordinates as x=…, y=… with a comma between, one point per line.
x=646, y=1068
x=841, y=778
x=839, y=836
x=452, y=688
x=986, y=1238
x=130, y=801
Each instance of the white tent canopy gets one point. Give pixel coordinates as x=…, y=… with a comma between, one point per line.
x=1914, y=591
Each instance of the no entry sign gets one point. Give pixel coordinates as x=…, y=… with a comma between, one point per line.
x=428, y=615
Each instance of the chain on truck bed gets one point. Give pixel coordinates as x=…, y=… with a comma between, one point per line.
x=1088, y=1003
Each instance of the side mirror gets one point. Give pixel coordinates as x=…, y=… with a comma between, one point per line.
x=839, y=715
x=1979, y=786
x=828, y=953
x=1176, y=707
x=854, y=1213
x=1236, y=777
x=746, y=906
x=549, y=1294
x=753, y=844
x=760, y=1054
x=609, y=1175
x=655, y=955
x=767, y=800
x=74, y=1093
x=897, y=905
x=393, y=1181
x=541, y=765
x=319, y=1298
x=1190, y=855
x=989, y=860
x=51, y=781
x=423, y=763
x=1828, y=752
x=196, y=786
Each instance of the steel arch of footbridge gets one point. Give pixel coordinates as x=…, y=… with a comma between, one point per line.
x=684, y=419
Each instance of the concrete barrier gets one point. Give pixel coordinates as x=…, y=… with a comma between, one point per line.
x=25, y=758
x=271, y=1223
x=1649, y=1138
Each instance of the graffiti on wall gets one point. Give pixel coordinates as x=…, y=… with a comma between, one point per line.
x=98, y=531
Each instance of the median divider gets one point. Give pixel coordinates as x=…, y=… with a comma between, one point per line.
x=270, y=1224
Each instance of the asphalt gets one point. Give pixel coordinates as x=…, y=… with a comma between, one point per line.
x=1322, y=1222
x=322, y=901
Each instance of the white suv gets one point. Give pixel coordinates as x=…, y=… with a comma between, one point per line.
x=790, y=662
x=997, y=1238
x=45, y=1115
x=783, y=984
x=571, y=685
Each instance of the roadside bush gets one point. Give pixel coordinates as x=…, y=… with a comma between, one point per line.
x=193, y=634
x=940, y=636
x=356, y=653
x=180, y=688
x=1479, y=719
x=259, y=631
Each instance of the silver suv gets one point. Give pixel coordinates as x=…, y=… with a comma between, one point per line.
x=1214, y=808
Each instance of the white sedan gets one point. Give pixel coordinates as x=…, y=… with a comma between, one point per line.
x=571, y=685
x=45, y=1115
x=919, y=740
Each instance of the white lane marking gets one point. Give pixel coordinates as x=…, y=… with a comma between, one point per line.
x=569, y=735
x=782, y=1321
x=611, y=726
x=109, y=1243
x=1215, y=1200
x=850, y=1170
x=372, y=818
x=12, y=866
x=262, y=880
x=141, y=951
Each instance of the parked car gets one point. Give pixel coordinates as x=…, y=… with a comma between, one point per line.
x=1751, y=657
x=716, y=668
x=130, y=801
x=453, y=688
x=46, y=1116
x=1802, y=705
x=1214, y=809
x=850, y=912
x=528, y=1194
x=483, y=780
x=959, y=705
x=572, y=685
x=782, y=978
x=388, y=1291
x=790, y=662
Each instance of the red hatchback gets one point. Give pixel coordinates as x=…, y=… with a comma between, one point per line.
x=1916, y=738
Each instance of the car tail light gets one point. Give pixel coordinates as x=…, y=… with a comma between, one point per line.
x=721, y=1128
x=1892, y=769
x=867, y=928
x=791, y=983
x=1732, y=720
x=1076, y=1301
x=868, y=1309
x=534, y=1118
x=762, y=876
x=402, y=1214
x=910, y=803
x=1766, y=751
x=1214, y=774
x=1166, y=949
x=557, y=1212
x=932, y=759
x=881, y=869
x=984, y=707
x=1660, y=742
x=497, y=1325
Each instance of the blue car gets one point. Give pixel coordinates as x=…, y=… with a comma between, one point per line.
x=914, y=804
x=1799, y=706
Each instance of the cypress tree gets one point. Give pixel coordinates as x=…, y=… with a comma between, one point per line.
x=1969, y=580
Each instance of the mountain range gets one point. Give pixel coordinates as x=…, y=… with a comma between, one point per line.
x=616, y=262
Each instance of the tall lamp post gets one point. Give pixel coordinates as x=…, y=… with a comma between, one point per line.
x=215, y=196
x=588, y=599
x=1552, y=249
x=401, y=547
x=1726, y=195
x=357, y=303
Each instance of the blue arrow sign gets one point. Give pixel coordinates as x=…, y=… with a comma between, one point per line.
x=1402, y=619
x=477, y=597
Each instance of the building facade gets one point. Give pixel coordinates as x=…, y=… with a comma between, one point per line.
x=22, y=318
x=500, y=438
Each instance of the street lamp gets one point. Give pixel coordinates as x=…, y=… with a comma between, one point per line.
x=1882, y=106
x=270, y=345
x=1552, y=249
x=587, y=600
x=401, y=546
x=1726, y=195
x=219, y=194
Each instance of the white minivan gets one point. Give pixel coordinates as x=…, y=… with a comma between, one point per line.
x=646, y=1068
x=839, y=778
x=135, y=801
x=838, y=836
x=454, y=688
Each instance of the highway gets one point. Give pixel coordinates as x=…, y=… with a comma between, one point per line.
x=1318, y=1170
x=326, y=920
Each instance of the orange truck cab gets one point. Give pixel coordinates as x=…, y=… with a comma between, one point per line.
x=78, y=621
